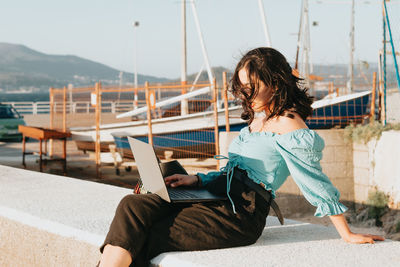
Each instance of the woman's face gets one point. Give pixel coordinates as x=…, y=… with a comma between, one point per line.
x=259, y=102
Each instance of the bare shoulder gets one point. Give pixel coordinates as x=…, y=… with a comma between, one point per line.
x=284, y=124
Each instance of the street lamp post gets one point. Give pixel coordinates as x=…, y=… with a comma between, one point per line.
x=135, y=25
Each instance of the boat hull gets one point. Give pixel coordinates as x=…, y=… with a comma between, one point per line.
x=199, y=142
x=183, y=144
x=340, y=114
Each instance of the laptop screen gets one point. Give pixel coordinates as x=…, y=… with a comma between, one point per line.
x=148, y=167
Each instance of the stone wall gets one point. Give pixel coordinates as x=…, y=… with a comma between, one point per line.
x=336, y=163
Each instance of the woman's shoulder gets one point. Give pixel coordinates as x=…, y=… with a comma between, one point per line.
x=286, y=124
x=296, y=134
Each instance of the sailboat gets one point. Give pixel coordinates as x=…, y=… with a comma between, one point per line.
x=188, y=132
x=185, y=135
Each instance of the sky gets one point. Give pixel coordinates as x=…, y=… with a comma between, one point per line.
x=102, y=30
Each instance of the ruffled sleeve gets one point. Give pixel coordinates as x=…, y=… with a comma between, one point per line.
x=302, y=152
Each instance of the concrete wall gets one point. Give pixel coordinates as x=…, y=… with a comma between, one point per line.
x=376, y=165
x=392, y=106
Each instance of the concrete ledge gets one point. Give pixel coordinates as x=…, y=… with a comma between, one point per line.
x=24, y=245
x=291, y=245
x=49, y=220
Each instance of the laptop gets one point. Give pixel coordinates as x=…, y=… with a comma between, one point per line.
x=153, y=181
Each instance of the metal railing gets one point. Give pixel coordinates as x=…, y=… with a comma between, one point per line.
x=43, y=107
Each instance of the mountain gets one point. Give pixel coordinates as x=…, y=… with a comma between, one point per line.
x=22, y=68
x=25, y=68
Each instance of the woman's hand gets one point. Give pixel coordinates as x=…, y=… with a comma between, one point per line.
x=181, y=180
x=362, y=238
x=343, y=229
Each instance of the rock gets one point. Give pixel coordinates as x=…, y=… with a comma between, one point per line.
x=370, y=223
x=362, y=216
x=394, y=237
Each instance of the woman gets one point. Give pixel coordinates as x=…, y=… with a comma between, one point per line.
x=276, y=143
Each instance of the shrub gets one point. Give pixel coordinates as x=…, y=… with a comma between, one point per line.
x=367, y=132
x=377, y=202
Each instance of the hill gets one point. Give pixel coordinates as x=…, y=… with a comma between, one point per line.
x=23, y=68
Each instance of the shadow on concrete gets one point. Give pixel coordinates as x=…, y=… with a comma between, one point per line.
x=79, y=165
x=274, y=235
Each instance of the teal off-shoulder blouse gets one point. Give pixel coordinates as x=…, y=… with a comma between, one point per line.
x=269, y=158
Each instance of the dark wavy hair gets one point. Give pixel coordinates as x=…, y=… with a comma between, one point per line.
x=288, y=91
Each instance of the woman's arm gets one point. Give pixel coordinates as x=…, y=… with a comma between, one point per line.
x=343, y=229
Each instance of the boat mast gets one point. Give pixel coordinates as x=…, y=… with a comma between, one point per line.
x=308, y=43
x=306, y=67
x=184, y=102
x=203, y=47
x=183, y=43
x=120, y=76
x=384, y=63
x=264, y=22
x=392, y=45
x=299, y=36
x=350, y=83
x=135, y=101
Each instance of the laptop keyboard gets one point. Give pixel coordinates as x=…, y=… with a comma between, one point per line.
x=180, y=194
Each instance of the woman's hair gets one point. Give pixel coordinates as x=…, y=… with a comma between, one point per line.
x=267, y=65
